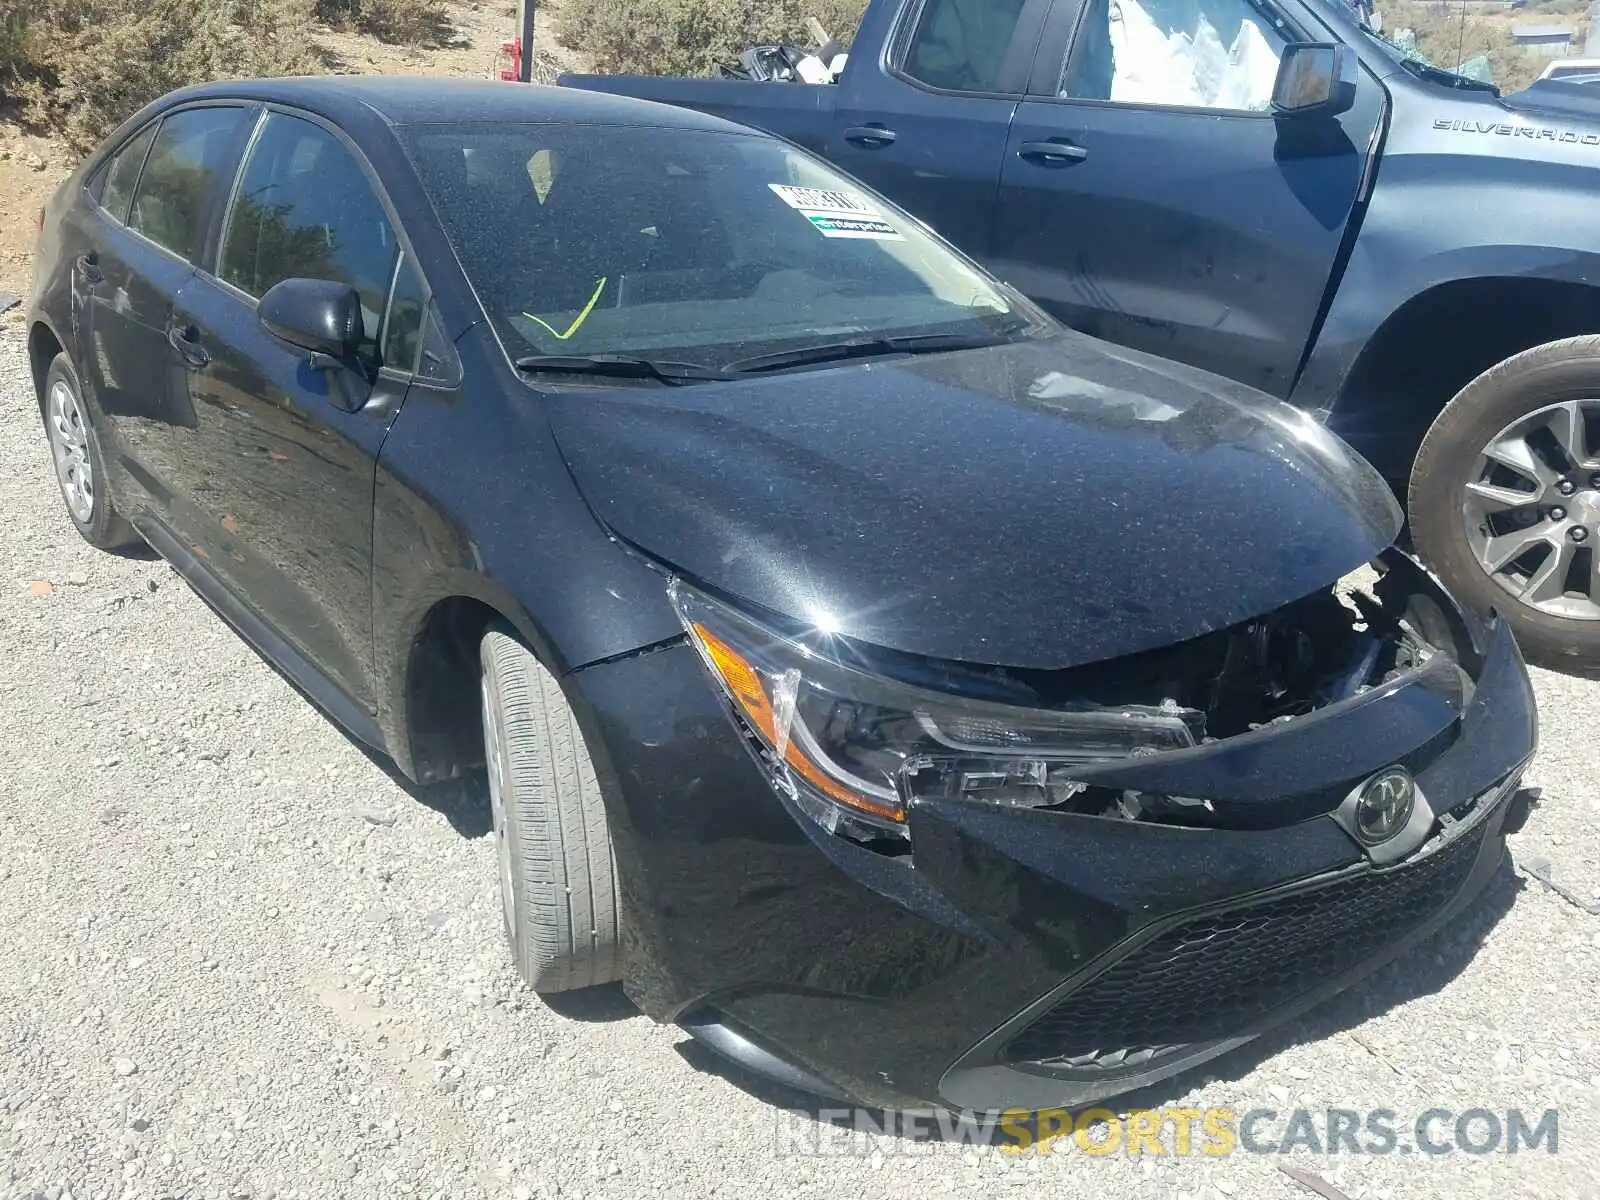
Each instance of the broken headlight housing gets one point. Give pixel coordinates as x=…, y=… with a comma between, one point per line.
x=852, y=747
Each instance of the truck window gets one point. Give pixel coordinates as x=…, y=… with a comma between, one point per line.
x=960, y=45
x=1218, y=54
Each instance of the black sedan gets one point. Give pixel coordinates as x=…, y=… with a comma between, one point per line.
x=911, y=698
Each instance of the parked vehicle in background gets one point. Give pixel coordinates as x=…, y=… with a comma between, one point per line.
x=911, y=697
x=1573, y=70
x=1269, y=190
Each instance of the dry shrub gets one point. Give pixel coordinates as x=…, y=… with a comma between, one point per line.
x=690, y=37
x=79, y=67
x=402, y=22
x=13, y=40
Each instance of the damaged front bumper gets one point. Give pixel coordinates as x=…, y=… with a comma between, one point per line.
x=1031, y=957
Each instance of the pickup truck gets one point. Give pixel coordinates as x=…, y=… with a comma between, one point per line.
x=1270, y=190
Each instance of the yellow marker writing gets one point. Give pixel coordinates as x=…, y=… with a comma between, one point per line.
x=576, y=321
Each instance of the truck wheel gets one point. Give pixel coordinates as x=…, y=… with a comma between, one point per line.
x=1505, y=499
x=558, y=890
x=79, y=465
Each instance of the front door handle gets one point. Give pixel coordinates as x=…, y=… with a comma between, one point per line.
x=89, y=267
x=185, y=339
x=870, y=136
x=1052, y=153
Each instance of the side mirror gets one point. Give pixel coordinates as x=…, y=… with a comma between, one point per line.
x=1315, y=79
x=315, y=314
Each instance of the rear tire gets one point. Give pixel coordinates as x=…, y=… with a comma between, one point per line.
x=1451, y=525
x=558, y=878
x=80, y=467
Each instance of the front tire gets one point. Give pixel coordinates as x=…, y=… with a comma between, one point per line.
x=79, y=465
x=558, y=878
x=1505, y=499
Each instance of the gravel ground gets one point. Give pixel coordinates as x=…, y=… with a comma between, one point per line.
x=242, y=961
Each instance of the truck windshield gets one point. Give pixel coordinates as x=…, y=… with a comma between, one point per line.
x=1472, y=73
x=694, y=247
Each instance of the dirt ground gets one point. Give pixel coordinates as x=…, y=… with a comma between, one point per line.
x=30, y=169
x=31, y=166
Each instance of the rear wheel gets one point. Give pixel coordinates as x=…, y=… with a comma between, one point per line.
x=1505, y=499
x=80, y=468
x=558, y=891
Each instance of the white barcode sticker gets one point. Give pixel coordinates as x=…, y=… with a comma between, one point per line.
x=837, y=213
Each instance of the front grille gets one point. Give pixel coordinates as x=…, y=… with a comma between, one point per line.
x=1218, y=975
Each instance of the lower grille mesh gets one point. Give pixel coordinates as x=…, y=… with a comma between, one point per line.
x=1216, y=976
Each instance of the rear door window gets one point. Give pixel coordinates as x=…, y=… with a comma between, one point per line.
x=191, y=149
x=961, y=45
x=305, y=209
x=122, y=173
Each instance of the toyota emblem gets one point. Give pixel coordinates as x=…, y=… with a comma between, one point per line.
x=1385, y=804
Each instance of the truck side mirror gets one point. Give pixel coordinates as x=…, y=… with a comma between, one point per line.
x=1315, y=79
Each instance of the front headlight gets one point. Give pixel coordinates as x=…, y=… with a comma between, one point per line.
x=854, y=747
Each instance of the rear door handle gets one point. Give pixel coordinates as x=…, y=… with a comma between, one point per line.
x=1052, y=154
x=186, y=341
x=870, y=136
x=89, y=267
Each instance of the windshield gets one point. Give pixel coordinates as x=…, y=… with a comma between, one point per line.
x=690, y=246
x=1439, y=42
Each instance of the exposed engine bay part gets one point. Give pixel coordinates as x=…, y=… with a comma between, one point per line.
x=1368, y=628
x=856, y=745
x=1384, y=626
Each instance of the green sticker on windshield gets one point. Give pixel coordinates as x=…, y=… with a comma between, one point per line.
x=837, y=213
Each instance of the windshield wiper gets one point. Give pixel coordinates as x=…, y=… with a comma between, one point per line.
x=873, y=347
x=1465, y=83
x=619, y=366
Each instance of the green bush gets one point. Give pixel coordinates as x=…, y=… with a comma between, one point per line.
x=690, y=37
x=79, y=67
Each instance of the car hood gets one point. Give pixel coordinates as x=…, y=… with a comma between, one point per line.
x=1040, y=504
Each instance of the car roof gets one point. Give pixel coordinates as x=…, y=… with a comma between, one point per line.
x=420, y=99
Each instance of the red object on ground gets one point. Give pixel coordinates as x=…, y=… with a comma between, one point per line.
x=510, y=52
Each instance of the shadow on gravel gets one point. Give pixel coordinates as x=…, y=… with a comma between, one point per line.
x=596, y=1004
x=1426, y=969
x=464, y=803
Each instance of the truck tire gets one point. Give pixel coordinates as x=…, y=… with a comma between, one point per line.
x=558, y=889
x=1505, y=499
x=79, y=465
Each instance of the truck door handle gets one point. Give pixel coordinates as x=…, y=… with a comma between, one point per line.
x=186, y=341
x=89, y=267
x=870, y=136
x=1052, y=153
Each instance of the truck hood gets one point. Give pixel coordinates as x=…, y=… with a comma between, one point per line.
x=1579, y=102
x=1041, y=504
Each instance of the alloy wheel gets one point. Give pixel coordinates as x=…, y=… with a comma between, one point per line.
x=69, y=447
x=1532, y=510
